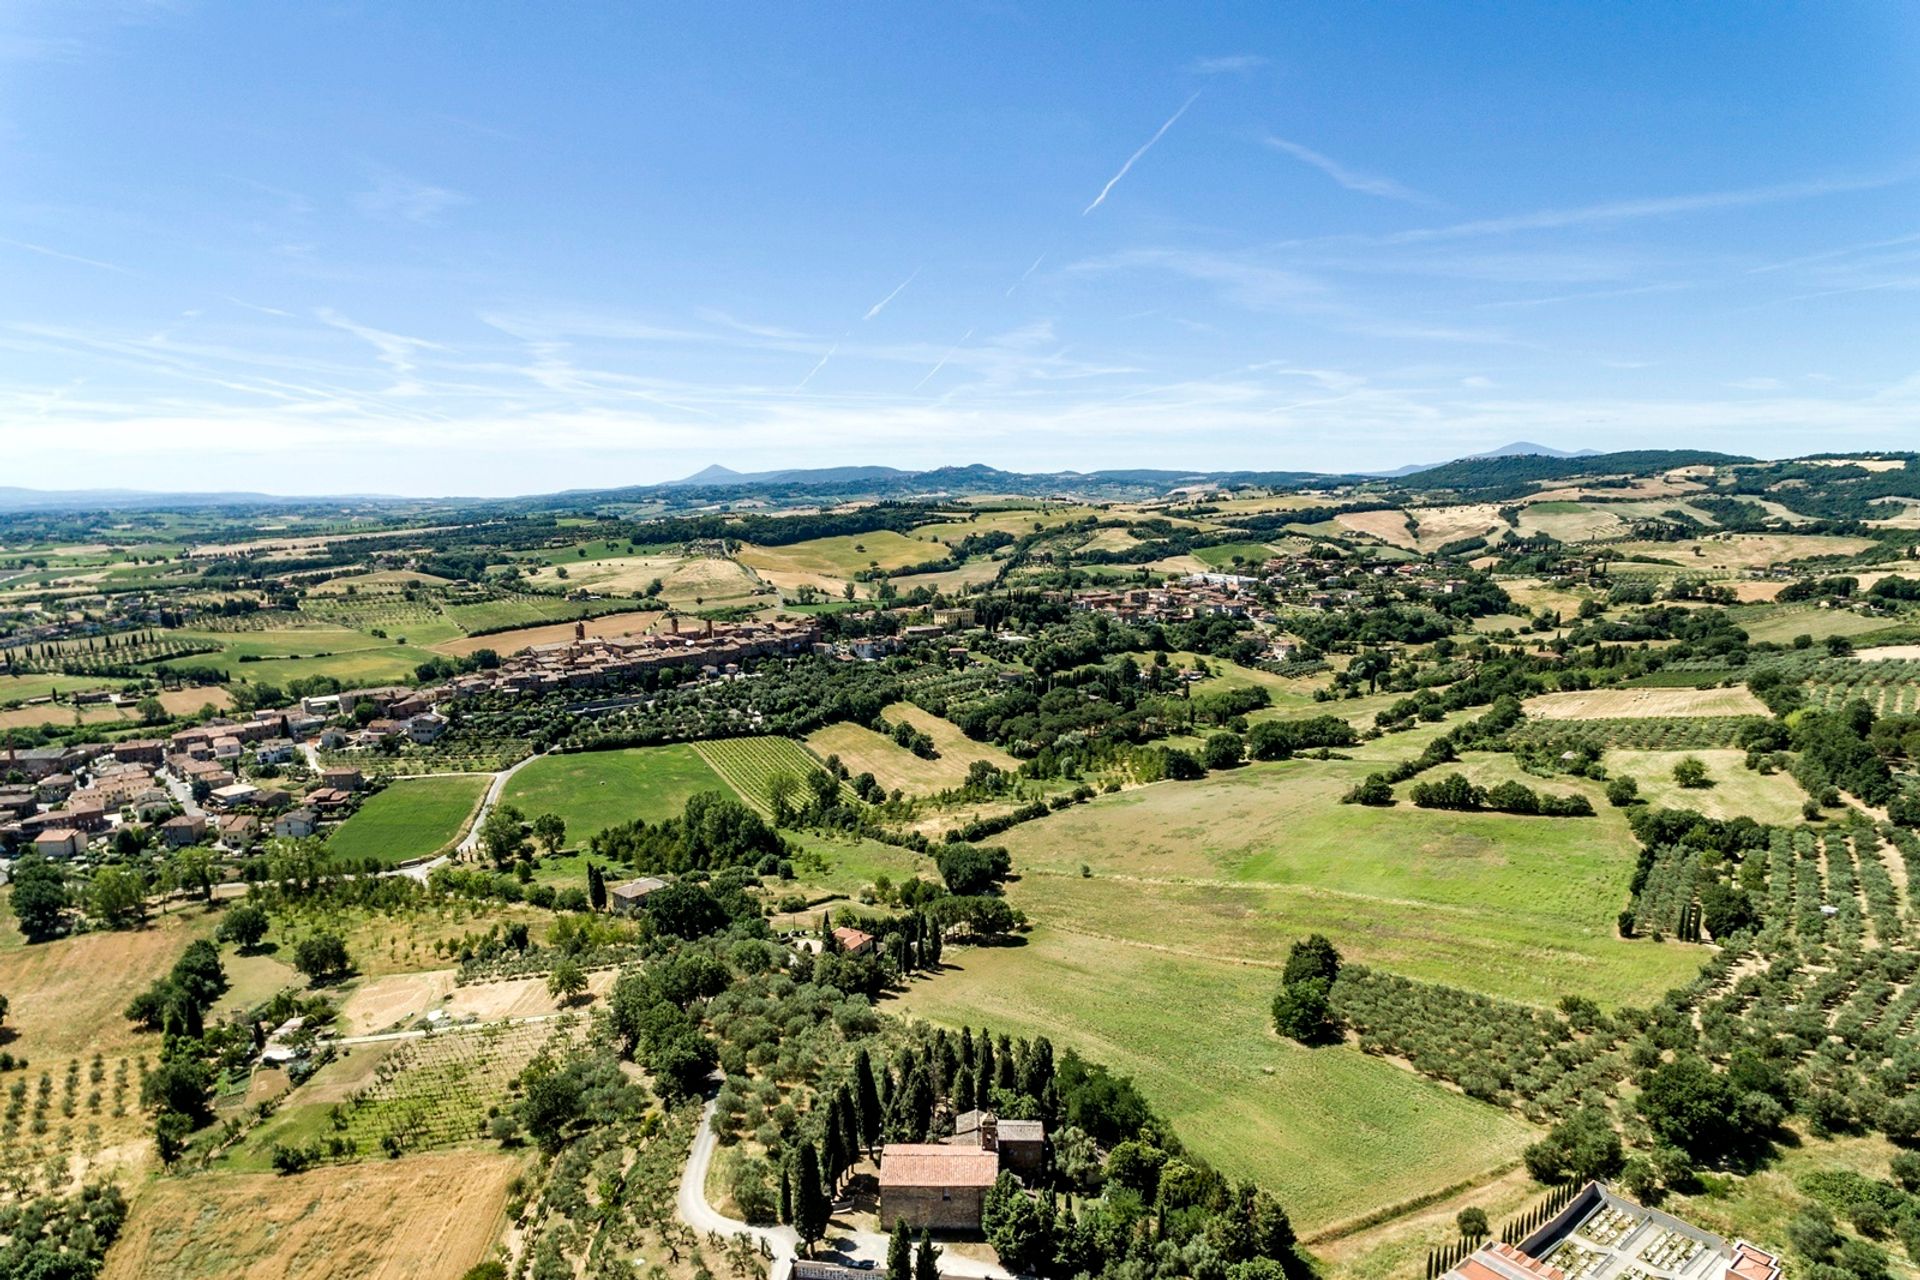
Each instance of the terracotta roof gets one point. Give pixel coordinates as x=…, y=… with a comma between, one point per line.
x=1750, y=1263
x=1022, y=1131
x=923, y=1164
x=852, y=939
x=1501, y=1261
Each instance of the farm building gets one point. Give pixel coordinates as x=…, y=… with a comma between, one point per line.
x=935, y=1186
x=1602, y=1236
x=855, y=942
x=632, y=896
x=1020, y=1144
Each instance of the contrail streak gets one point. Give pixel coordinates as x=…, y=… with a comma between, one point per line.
x=881, y=305
x=1024, y=274
x=943, y=360
x=1134, y=158
x=817, y=368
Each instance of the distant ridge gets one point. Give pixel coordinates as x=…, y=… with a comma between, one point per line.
x=720, y=485
x=1518, y=449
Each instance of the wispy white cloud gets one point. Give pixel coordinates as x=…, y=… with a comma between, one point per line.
x=1134, y=159
x=1651, y=207
x=1227, y=64
x=46, y=252
x=1351, y=179
x=395, y=196
x=881, y=305
x=1834, y=255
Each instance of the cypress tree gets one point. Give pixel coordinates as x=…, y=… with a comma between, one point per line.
x=786, y=1193
x=927, y=1265
x=832, y=1151
x=1003, y=1077
x=900, y=1253
x=868, y=1097
x=810, y=1208
x=849, y=1125
x=983, y=1082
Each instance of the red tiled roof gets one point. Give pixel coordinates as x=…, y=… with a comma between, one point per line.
x=922, y=1164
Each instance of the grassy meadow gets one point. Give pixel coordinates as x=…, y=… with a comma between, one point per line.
x=598, y=789
x=1334, y=1133
x=410, y=818
x=1242, y=863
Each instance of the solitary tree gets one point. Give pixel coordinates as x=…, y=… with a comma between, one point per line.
x=244, y=925
x=550, y=829
x=567, y=982
x=322, y=957
x=1690, y=772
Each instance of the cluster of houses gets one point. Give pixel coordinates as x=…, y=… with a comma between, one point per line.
x=187, y=787
x=1600, y=1235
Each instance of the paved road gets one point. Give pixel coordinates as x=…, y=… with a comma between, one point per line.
x=841, y=1245
x=182, y=794
x=472, y=839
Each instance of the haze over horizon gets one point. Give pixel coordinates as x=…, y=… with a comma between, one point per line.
x=468, y=251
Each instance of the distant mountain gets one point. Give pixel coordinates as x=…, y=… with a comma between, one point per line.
x=1524, y=449
x=718, y=477
x=1518, y=449
x=13, y=498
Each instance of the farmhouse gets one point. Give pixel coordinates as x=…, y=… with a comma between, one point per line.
x=855, y=942
x=1603, y=1236
x=933, y=1185
x=625, y=899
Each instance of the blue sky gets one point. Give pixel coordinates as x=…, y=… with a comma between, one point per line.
x=484, y=248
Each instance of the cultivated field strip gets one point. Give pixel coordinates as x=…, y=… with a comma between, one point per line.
x=749, y=765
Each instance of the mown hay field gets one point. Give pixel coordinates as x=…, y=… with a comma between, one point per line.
x=637, y=622
x=1734, y=551
x=410, y=818
x=427, y=1217
x=1737, y=791
x=1635, y=704
x=864, y=751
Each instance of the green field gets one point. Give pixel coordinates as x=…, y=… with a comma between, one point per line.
x=1243, y=862
x=1334, y=1133
x=1252, y=556
x=748, y=765
x=21, y=688
x=292, y=653
x=594, y=790
x=411, y=818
